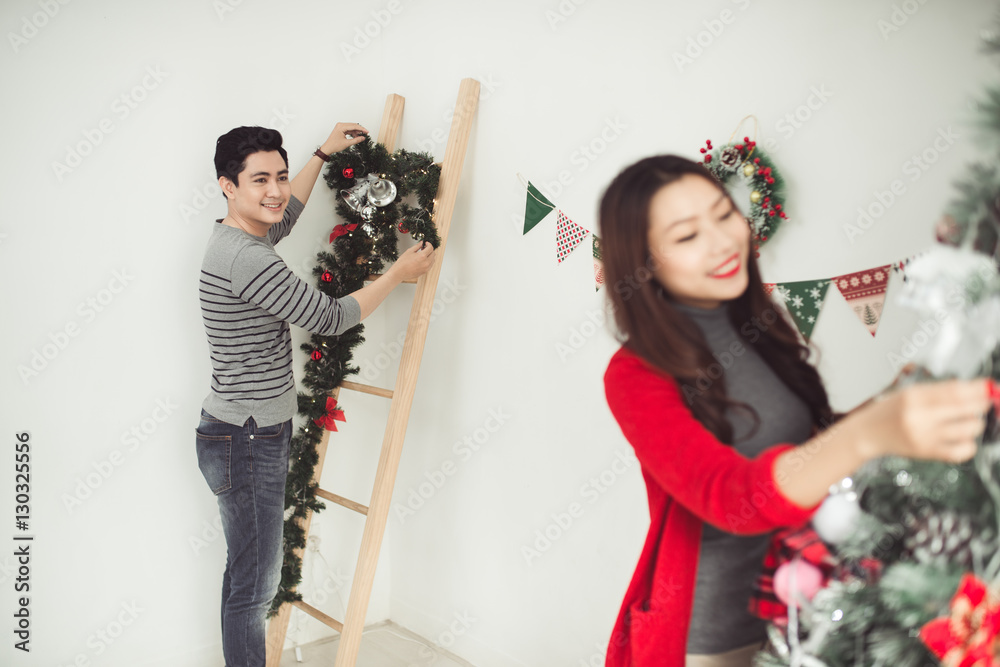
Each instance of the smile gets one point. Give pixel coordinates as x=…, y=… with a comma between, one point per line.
x=273, y=207
x=729, y=269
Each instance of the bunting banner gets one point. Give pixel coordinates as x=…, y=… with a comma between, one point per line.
x=804, y=299
x=535, y=208
x=864, y=292
x=568, y=236
x=598, y=264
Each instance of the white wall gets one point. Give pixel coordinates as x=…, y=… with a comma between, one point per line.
x=549, y=87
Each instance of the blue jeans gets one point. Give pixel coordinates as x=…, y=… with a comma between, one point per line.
x=245, y=467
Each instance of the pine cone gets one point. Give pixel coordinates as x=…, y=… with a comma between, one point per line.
x=940, y=537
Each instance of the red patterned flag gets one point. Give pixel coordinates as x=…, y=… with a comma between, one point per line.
x=568, y=236
x=598, y=264
x=865, y=293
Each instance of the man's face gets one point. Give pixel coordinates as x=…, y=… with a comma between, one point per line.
x=263, y=191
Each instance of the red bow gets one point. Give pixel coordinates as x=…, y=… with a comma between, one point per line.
x=333, y=413
x=968, y=635
x=340, y=230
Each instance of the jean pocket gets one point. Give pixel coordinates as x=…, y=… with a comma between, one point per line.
x=273, y=431
x=215, y=454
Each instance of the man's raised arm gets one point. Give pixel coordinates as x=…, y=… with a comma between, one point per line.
x=338, y=140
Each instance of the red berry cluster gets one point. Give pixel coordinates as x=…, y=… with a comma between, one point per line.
x=708, y=143
x=772, y=210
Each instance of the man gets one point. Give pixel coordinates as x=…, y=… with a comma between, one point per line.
x=248, y=299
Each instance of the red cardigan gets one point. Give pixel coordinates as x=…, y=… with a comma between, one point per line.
x=690, y=476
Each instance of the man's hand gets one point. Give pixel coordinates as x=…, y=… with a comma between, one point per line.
x=338, y=140
x=344, y=135
x=414, y=262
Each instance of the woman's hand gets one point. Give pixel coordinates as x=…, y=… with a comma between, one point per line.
x=338, y=139
x=929, y=420
x=414, y=262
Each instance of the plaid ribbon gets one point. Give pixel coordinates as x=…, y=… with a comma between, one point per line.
x=802, y=542
x=796, y=542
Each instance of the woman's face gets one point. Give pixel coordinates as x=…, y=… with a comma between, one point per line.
x=699, y=242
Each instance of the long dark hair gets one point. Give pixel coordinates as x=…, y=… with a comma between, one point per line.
x=652, y=327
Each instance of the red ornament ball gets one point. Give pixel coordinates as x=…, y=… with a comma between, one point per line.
x=348, y=172
x=403, y=228
x=316, y=355
x=326, y=277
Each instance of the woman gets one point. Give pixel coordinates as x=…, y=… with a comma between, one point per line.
x=712, y=388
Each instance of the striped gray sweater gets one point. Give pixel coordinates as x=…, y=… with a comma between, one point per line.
x=248, y=298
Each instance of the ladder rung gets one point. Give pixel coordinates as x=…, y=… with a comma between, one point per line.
x=367, y=389
x=341, y=500
x=318, y=615
x=375, y=276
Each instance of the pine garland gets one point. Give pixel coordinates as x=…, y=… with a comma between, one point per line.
x=360, y=249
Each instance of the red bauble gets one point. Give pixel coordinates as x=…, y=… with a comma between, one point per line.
x=326, y=277
x=316, y=355
x=348, y=172
x=403, y=228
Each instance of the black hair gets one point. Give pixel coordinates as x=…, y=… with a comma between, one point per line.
x=232, y=149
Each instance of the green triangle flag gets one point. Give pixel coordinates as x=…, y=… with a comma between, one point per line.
x=804, y=299
x=536, y=208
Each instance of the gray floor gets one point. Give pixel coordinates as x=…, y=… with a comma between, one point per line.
x=383, y=645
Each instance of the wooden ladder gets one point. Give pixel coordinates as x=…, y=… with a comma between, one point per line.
x=401, y=397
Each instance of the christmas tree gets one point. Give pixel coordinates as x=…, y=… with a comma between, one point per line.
x=906, y=567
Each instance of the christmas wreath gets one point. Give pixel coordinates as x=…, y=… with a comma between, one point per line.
x=767, y=188
x=371, y=184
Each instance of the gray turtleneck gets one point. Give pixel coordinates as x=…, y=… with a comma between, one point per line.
x=728, y=564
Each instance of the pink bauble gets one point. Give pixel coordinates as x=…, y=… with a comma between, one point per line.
x=808, y=580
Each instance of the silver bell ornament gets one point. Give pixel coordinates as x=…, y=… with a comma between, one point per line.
x=382, y=192
x=357, y=196
x=368, y=193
